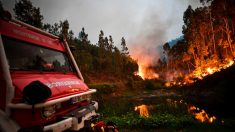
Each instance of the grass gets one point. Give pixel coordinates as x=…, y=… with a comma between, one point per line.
x=132, y=120
x=167, y=113
x=105, y=88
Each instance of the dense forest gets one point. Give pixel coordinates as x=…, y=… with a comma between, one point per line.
x=207, y=46
x=94, y=60
x=208, y=42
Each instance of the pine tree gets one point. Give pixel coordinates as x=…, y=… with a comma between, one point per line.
x=101, y=51
x=83, y=37
x=111, y=46
x=106, y=43
x=124, y=47
x=26, y=12
x=101, y=39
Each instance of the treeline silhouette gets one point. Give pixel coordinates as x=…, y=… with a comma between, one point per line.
x=100, y=59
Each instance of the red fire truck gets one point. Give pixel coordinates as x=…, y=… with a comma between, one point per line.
x=41, y=86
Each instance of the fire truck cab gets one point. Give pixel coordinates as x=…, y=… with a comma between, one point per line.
x=41, y=87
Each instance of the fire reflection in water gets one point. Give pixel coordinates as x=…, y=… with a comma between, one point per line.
x=198, y=113
x=143, y=110
x=201, y=115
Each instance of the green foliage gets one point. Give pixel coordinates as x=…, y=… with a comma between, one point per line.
x=167, y=111
x=131, y=120
x=26, y=12
x=60, y=29
x=149, y=84
x=103, y=88
x=103, y=57
x=130, y=83
x=124, y=47
x=55, y=29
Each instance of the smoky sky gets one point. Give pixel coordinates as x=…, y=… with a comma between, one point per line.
x=144, y=24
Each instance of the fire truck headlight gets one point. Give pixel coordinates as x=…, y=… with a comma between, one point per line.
x=49, y=111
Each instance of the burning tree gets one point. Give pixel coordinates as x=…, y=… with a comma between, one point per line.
x=207, y=46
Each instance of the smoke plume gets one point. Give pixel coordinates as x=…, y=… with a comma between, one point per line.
x=155, y=30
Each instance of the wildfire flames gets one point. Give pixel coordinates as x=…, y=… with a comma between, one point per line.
x=146, y=73
x=143, y=110
x=201, y=115
x=201, y=72
x=145, y=60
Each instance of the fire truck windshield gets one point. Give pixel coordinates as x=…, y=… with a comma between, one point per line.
x=28, y=57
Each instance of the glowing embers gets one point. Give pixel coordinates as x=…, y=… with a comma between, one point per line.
x=200, y=72
x=143, y=110
x=201, y=114
x=209, y=70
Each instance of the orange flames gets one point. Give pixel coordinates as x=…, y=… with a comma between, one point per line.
x=143, y=110
x=201, y=115
x=146, y=73
x=201, y=72
x=145, y=59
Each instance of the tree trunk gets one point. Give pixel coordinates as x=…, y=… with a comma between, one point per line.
x=189, y=71
x=213, y=35
x=229, y=40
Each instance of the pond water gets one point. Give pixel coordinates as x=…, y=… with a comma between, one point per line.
x=159, y=108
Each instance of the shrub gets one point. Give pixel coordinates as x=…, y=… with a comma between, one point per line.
x=103, y=88
x=149, y=84
x=132, y=120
